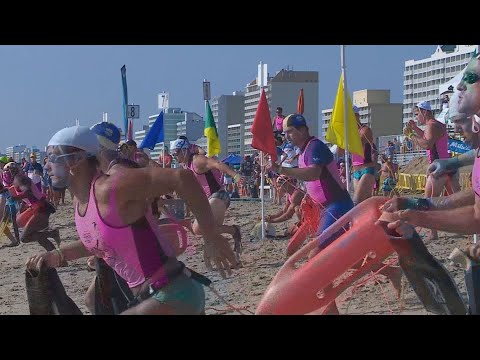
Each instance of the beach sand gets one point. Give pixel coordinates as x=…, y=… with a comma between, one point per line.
x=243, y=289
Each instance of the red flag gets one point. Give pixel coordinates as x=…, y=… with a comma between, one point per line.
x=300, y=103
x=262, y=129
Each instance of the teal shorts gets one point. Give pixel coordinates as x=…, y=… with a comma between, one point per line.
x=357, y=175
x=184, y=294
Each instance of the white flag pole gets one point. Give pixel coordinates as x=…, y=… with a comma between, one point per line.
x=163, y=152
x=345, y=114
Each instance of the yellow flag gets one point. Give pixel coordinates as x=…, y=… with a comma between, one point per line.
x=336, y=132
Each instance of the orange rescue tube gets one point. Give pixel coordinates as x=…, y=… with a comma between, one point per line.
x=298, y=238
x=24, y=217
x=309, y=287
x=311, y=214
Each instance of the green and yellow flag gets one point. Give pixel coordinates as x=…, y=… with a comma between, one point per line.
x=336, y=132
x=210, y=131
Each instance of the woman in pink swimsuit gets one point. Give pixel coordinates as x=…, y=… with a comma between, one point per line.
x=114, y=222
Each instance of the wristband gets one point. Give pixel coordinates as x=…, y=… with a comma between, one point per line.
x=418, y=204
x=61, y=257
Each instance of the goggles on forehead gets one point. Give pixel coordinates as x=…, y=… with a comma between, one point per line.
x=55, y=159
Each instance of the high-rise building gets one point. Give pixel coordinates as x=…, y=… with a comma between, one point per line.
x=171, y=117
x=236, y=133
x=376, y=111
x=15, y=149
x=423, y=77
x=227, y=110
x=192, y=127
x=283, y=89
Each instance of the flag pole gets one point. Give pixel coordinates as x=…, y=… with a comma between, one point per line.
x=262, y=174
x=163, y=153
x=345, y=114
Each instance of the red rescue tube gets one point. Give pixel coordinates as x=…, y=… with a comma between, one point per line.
x=301, y=290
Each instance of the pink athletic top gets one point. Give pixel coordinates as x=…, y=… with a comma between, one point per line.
x=209, y=181
x=329, y=188
x=279, y=123
x=135, y=251
x=476, y=176
x=440, y=148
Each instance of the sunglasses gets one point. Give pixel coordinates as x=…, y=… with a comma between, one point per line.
x=56, y=159
x=470, y=77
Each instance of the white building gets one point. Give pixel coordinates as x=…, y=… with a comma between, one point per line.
x=423, y=77
x=227, y=110
x=171, y=117
x=15, y=149
x=283, y=90
x=236, y=133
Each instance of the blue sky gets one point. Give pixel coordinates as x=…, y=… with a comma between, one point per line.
x=45, y=88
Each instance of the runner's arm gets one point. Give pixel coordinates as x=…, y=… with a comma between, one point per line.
x=215, y=164
x=159, y=181
x=464, y=220
x=430, y=135
x=284, y=216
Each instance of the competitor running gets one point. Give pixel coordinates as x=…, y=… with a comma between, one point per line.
x=208, y=173
x=114, y=223
x=5, y=211
x=291, y=207
x=36, y=217
x=318, y=170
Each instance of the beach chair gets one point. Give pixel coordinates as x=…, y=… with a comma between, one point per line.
x=420, y=181
x=405, y=184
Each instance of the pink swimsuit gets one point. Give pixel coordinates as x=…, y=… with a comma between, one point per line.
x=476, y=176
x=210, y=181
x=440, y=148
x=329, y=187
x=135, y=251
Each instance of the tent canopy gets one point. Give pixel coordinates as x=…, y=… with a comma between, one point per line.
x=233, y=159
x=451, y=85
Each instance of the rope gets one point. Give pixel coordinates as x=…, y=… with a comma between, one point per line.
x=233, y=308
x=373, y=276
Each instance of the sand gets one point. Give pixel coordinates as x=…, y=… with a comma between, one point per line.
x=244, y=289
x=419, y=166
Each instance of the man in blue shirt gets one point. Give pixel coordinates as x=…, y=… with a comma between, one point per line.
x=34, y=171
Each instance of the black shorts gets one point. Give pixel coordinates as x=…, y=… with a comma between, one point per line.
x=222, y=195
x=58, y=189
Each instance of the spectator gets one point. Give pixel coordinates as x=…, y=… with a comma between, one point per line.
x=246, y=171
x=278, y=121
x=390, y=150
x=396, y=144
x=445, y=102
x=168, y=158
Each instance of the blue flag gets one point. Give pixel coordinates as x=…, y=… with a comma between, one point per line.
x=125, y=99
x=155, y=135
